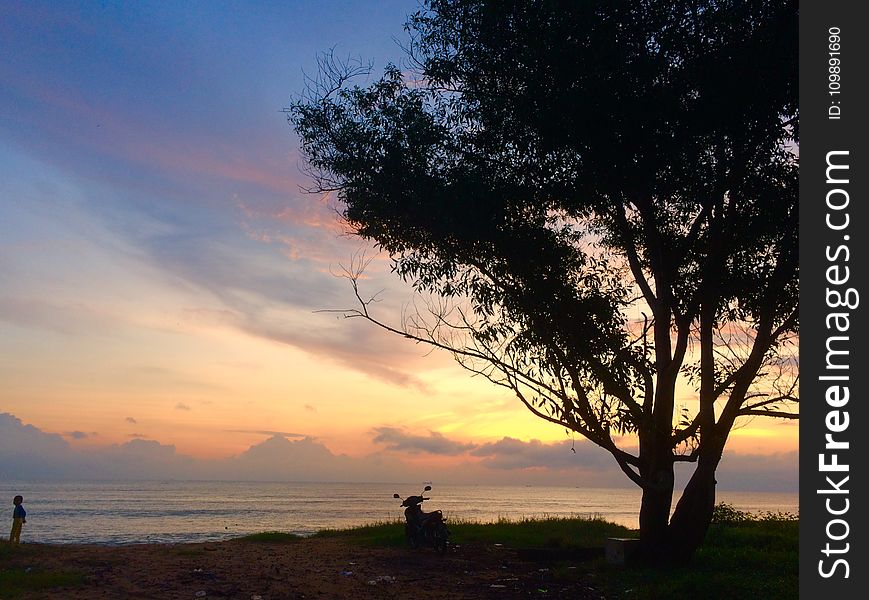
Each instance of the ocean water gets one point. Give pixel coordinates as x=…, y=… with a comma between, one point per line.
x=197, y=511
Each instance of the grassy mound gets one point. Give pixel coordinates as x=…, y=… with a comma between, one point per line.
x=560, y=533
x=744, y=555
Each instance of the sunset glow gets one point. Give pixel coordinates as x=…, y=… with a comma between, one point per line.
x=163, y=277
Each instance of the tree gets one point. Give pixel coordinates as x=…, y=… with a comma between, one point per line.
x=603, y=196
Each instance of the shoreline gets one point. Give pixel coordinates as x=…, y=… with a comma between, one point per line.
x=189, y=512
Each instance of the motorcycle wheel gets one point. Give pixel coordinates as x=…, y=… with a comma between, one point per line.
x=411, y=536
x=441, y=539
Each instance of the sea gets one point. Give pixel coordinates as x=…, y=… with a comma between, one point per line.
x=199, y=511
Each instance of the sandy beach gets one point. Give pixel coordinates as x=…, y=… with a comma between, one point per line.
x=305, y=568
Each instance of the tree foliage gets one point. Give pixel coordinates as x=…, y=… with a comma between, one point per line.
x=605, y=193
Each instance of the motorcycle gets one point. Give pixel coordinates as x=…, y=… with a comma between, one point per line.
x=422, y=528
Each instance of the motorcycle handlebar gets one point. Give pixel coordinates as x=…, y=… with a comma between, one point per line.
x=427, y=488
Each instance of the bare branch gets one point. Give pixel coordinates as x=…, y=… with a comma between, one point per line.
x=768, y=413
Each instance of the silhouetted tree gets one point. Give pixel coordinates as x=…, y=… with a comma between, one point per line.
x=604, y=197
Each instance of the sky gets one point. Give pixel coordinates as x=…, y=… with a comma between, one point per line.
x=163, y=273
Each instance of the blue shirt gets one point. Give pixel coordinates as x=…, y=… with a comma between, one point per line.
x=19, y=512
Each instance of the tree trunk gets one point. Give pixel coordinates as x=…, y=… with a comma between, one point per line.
x=655, y=513
x=675, y=543
x=693, y=513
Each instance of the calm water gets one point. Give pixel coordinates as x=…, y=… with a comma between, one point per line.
x=133, y=512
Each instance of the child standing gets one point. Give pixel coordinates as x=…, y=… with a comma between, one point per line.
x=19, y=518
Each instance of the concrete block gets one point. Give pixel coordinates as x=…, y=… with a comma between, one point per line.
x=618, y=551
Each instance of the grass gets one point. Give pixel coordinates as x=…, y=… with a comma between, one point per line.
x=388, y=534
x=552, y=533
x=272, y=537
x=745, y=560
x=14, y=582
x=744, y=555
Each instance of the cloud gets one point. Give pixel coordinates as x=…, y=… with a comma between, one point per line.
x=509, y=453
x=237, y=282
x=761, y=472
x=263, y=295
x=303, y=459
x=131, y=420
x=310, y=408
x=217, y=210
x=150, y=448
x=360, y=346
x=267, y=432
x=77, y=435
x=181, y=406
x=71, y=318
x=26, y=452
x=151, y=375
x=396, y=439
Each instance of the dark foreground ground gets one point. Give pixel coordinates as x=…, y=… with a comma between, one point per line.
x=743, y=557
x=331, y=567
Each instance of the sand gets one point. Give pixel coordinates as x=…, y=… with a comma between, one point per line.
x=308, y=568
